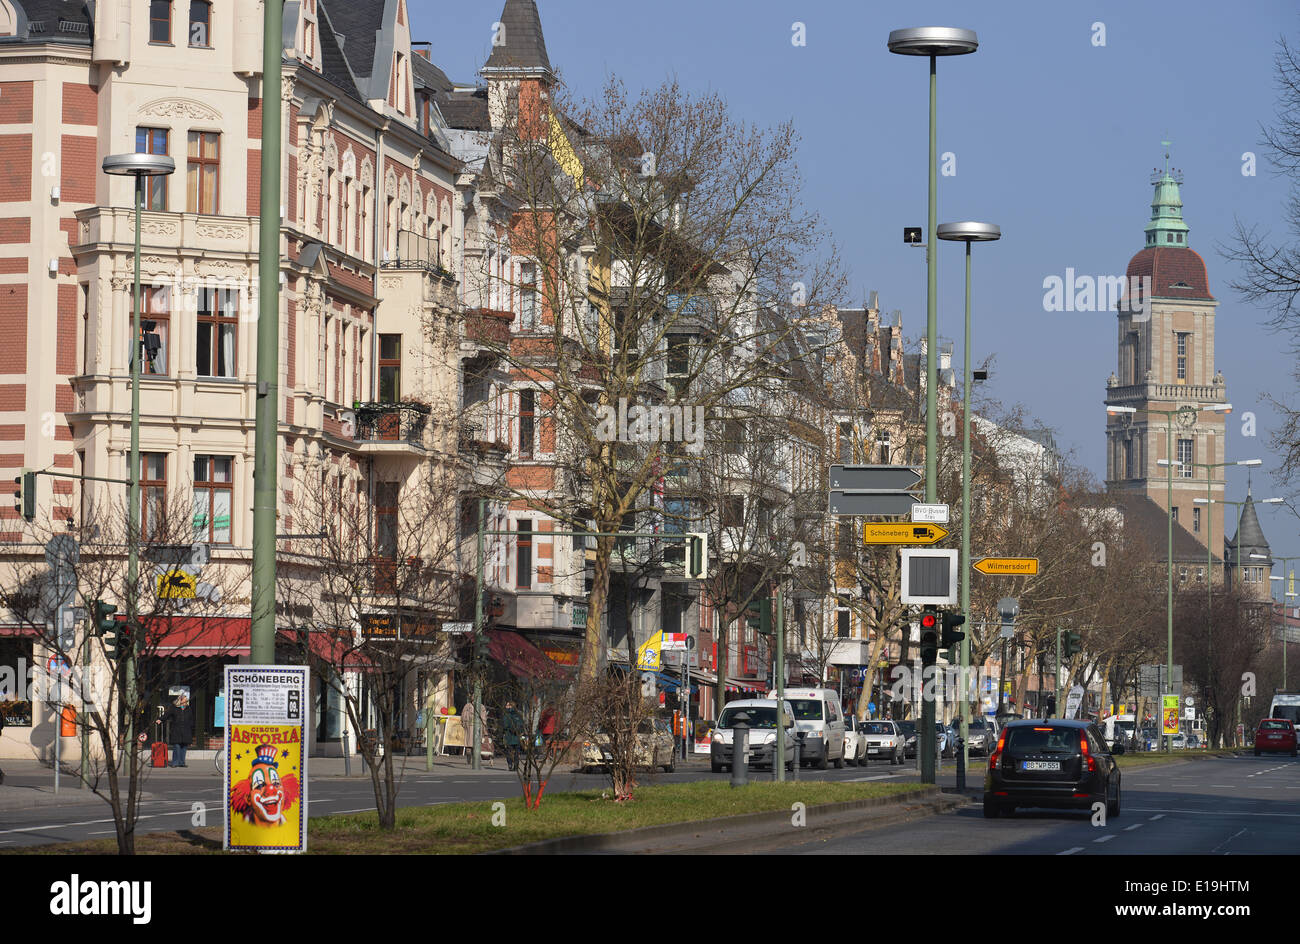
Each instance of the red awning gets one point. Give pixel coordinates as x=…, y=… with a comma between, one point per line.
x=26, y=632
x=334, y=650
x=200, y=635
x=521, y=657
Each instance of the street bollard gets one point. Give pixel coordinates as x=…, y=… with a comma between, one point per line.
x=739, y=743
x=795, y=770
x=347, y=755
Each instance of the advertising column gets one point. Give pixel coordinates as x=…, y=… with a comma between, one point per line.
x=266, y=759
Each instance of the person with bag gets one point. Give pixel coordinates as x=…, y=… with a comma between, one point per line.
x=513, y=725
x=181, y=717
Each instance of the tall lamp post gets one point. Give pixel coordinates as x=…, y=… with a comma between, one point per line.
x=1209, y=468
x=138, y=166
x=1285, y=593
x=1239, y=505
x=931, y=41
x=966, y=232
x=1187, y=416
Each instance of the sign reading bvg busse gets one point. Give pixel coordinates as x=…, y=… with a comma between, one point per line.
x=266, y=758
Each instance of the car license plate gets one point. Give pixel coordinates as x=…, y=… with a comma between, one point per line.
x=1275, y=737
x=1040, y=765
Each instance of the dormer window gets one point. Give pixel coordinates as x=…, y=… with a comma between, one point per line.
x=400, y=92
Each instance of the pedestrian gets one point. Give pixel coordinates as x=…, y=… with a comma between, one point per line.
x=181, y=716
x=513, y=723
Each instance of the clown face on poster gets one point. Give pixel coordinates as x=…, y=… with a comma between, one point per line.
x=266, y=758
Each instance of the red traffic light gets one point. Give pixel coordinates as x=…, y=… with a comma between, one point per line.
x=927, y=620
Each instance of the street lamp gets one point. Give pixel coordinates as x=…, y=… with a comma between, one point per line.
x=1186, y=415
x=1285, y=631
x=138, y=166
x=966, y=232
x=931, y=41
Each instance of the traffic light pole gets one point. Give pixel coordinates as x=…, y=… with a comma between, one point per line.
x=778, y=620
x=1057, y=687
x=476, y=758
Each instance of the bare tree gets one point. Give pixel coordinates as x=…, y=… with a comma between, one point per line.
x=368, y=599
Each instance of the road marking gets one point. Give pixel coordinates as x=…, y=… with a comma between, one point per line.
x=1157, y=816
x=1129, y=829
x=1104, y=839
x=1218, y=813
x=1071, y=851
x=864, y=779
x=1228, y=840
x=101, y=832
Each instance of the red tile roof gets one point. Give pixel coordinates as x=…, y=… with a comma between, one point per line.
x=1169, y=267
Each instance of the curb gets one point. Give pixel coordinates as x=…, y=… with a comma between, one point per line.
x=929, y=796
x=36, y=799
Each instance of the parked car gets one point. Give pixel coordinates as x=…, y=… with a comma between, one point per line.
x=855, y=748
x=1179, y=741
x=762, y=733
x=1053, y=763
x=1275, y=735
x=908, y=730
x=947, y=738
x=655, y=747
x=819, y=725
x=883, y=739
x=981, y=736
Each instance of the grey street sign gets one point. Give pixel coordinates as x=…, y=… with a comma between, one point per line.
x=876, y=478
x=871, y=503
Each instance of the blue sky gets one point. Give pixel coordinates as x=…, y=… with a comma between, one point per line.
x=1054, y=140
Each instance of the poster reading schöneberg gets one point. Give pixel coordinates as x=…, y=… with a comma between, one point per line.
x=266, y=758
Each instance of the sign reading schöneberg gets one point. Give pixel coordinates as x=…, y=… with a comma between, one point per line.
x=266, y=758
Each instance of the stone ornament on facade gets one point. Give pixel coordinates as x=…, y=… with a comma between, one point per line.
x=179, y=108
x=221, y=231
x=158, y=228
x=287, y=83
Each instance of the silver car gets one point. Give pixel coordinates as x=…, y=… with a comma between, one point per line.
x=883, y=740
x=981, y=736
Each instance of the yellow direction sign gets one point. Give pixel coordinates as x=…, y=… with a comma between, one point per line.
x=177, y=585
x=902, y=532
x=1002, y=566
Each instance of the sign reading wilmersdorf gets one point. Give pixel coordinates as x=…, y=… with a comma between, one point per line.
x=266, y=758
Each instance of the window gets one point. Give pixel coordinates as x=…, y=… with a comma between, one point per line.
x=153, y=141
x=153, y=492
x=386, y=520
x=1129, y=470
x=213, y=492
x=202, y=178
x=524, y=555
x=1185, y=458
x=214, y=344
x=846, y=443
x=160, y=21
x=843, y=620
x=527, y=424
x=390, y=367
x=882, y=443
x=1182, y=357
x=528, y=296
x=1200, y=575
x=155, y=306
x=309, y=39
x=1196, y=521
x=733, y=511
x=200, y=22
x=400, y=91
x=1174, y=511
x=1182, y=575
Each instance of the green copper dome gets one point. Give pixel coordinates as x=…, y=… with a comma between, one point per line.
x=1166, y=228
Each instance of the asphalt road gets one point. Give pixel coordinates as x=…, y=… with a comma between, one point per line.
x=1220, y=806
x=174, y=793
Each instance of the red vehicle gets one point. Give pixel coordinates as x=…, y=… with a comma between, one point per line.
x=1275, y=735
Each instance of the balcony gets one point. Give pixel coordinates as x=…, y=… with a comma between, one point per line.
x=473, y=438
x=398, y=423
x=416, y=252
x=488, y=328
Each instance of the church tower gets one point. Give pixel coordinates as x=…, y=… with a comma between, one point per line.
x=1166, y=366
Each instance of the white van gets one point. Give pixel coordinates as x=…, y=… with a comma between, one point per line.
x=1286, y=705
x=819, y=725
x=1117, y=728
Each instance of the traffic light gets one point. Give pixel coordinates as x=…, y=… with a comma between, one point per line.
x=26, y=494
x=696, y=557
x=929, y=635
x=116, y=637
x=1071, y=644
x=951, y=635
x=481, y=646
x=758, y=615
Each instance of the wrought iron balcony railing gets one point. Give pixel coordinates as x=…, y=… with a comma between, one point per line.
x=391, y=422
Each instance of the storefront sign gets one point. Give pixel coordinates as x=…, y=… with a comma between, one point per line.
x=266, y=758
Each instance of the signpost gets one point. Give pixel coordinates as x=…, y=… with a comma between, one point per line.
x=930, y=514
x=266, y=758
x=871, y=504
x=177, y=585
x=1001, y=566
x=873, y=490
x=902, y=533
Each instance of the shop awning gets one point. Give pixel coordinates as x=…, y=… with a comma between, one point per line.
x=327, y=647
x=521, y=657
x=200, y=636
x=26, y=632
x=670, y=684
x=746, y=685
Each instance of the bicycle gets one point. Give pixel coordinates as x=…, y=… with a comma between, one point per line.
x=219, y=761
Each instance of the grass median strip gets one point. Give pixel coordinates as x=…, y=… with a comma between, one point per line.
x=1147, y=758
x=477, y=827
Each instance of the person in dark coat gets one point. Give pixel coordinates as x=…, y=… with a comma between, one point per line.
x=181, y=717
x=513, y=724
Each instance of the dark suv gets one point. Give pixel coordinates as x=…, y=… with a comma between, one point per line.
x=1051, y=763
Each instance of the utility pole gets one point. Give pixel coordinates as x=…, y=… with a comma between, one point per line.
x=265, y=451
x=779, y=625
x=1056, y=697
x=476, y=758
